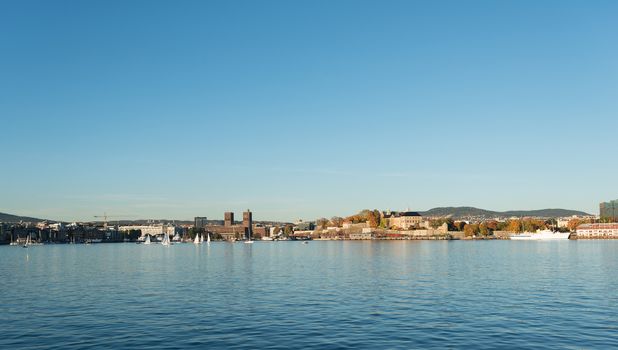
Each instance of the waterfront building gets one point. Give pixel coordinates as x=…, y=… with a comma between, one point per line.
x=259, y=231
x=247, y=222
x=351, y=226
x=230, y=230
x=564, y=222
x=247, y=218
x=152, y=230
x=609, y=210
x=301, y=225
x=200, y=221
x=228, y=219
x=403, y=220
x=362, y=235
x=600, y=230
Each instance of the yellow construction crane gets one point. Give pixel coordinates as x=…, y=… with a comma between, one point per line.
x=105, y=216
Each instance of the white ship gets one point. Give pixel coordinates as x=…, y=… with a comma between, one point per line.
x=541, y=235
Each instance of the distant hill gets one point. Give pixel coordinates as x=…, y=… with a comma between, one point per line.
x=15, y=218
x=464, y=212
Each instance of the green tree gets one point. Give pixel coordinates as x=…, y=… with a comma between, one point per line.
x=501, y=226
x=435, y=223
x=458, y=225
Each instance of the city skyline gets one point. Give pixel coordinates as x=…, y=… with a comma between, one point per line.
x=305, y=110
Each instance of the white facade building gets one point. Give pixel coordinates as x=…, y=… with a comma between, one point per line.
x=152, y=230
x=601, y=230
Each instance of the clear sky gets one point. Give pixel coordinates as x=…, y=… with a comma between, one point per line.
x=303, y=109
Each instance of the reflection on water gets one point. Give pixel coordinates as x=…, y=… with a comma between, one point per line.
x=400, y=294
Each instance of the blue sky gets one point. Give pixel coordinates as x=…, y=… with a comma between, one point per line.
x=303, y=109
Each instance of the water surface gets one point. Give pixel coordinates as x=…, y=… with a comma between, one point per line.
x=321, y=295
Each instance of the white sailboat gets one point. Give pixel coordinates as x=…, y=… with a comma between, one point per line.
x=249, y=241
x=147, y=241
x=197, y=239
x=201, y=238
x=208, y=239
x=28, y=242
x=166, y=239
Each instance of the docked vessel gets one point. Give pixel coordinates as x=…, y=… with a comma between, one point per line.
x=541, y=235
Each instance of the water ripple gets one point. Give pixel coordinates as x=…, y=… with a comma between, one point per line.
x=326, y=295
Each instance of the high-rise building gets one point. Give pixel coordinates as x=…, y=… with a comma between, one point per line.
x=247, y=222
x=229, y=219
x=200, y=221
x=609, y=210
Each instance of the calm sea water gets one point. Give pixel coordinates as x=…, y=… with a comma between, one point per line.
x=321, y=295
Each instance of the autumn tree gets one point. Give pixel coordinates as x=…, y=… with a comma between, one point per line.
x=573, y=223
x=471, y=230
x=336, y=221
x=276, y=230
x=321, y=223
x=483, y=230
x=514, y=226
x=372, y=219
x=377, y=214
x=532, y=225
x=288, y=229
x=492, y=225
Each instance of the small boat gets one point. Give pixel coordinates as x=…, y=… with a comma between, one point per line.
x=147, y=240
x=208, y=239
x=305, y=242
x=197, y=239
x=28, y=241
